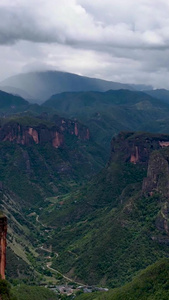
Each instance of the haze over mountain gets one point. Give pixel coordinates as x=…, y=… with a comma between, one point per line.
x=16, y=92
x=42, y=85
x=11, y=104
x=160, y=94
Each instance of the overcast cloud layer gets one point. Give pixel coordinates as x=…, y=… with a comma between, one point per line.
x=124, y=40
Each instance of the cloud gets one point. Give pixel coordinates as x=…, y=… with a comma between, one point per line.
x=128, y=24
x=124, y=40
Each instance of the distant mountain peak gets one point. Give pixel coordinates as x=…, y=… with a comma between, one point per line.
x=43, y=84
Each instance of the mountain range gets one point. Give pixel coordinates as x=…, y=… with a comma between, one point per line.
x=39, y=86
x=85, y=187
x=108, y=113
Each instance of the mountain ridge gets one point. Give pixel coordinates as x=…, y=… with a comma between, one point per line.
x=108, y=113
x=42, y=85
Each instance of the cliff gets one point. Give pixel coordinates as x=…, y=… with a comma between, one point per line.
x=29, y=135
x=157, y=179
x=3, y=233
x=148, y=150
x=72, y=127
x=36, y=131
x=137, y=147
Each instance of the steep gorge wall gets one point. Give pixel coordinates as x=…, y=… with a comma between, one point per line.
x=41, y=134
x=72, y=127
x=151, y=151
x=137, y=147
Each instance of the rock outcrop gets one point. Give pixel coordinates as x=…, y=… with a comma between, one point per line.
x=28, y=135
x=72, y=127
x=157, y=179
x=3, y=233
x=137, y=147
x=16, y=132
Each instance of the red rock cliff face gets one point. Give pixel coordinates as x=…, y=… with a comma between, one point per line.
x=137, y=147
x=28, y=135
x=3, y=233
x=41, y=134
x=72, y=127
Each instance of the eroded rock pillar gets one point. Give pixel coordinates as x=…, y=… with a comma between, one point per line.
x=3, y=233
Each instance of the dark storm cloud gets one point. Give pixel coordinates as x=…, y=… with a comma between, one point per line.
x=17, y=24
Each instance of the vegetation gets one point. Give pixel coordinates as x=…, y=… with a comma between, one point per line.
x=108, y=113
x=150, y=284
x=9, y=100
x=5, y=291
x=103, y=232
x=29, y=175
x=120, y=224
x=43, y=170
x=25, y=292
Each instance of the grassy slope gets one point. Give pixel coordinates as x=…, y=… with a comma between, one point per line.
x=150, y=284
x=25, y=292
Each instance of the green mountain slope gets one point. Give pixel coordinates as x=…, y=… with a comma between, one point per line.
x=160, y=94
x=108, y=113
x=5, y=291
x=11, y=103
x=150, y=284
x=39, y=159
x=47, y=157
x=109, y=230
x=25, y=292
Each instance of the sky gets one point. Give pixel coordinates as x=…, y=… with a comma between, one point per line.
x=124, y=40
